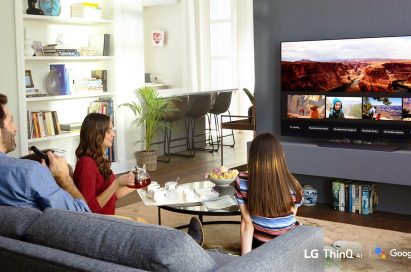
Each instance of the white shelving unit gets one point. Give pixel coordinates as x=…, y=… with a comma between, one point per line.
x=70, y=108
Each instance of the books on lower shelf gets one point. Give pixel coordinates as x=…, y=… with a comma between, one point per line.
x=42, y=124
x=354, y=196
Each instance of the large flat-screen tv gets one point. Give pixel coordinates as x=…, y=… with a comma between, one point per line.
x=348, y=88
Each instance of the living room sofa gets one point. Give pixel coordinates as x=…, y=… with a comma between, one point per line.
x=58, y=240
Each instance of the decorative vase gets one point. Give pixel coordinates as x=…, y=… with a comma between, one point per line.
x=310, y=195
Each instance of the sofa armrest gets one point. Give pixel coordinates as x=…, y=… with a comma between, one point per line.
x=288, y=252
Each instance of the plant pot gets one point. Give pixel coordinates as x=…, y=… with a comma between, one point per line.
x=147, y=158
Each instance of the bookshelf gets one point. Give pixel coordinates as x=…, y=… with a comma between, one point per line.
x=70, y=108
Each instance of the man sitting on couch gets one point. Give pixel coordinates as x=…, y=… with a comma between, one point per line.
x=26, y=183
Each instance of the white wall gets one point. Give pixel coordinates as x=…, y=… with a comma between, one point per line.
x=165, y=62
x=8, y=63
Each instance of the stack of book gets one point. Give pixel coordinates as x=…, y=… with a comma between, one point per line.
x=43, y=124
x=60, y=50
x=88, y=10
x=103, y=105
x=354, y=196
x=89, y=84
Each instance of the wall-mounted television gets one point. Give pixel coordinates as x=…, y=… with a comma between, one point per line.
x=348, y=88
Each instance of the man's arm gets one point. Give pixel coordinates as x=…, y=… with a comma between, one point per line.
x=60, y=171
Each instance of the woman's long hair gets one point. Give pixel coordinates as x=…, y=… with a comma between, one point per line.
x=269, y=181
x=92, y=134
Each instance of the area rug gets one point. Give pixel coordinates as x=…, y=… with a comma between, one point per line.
x=386, y=243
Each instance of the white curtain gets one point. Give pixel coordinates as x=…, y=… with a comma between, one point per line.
x=194, y=66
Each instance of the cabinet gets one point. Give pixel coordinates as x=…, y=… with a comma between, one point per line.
x=73, y=107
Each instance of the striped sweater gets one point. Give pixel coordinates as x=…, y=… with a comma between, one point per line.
x=266, y=228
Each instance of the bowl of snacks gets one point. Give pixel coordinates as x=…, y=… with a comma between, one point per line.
x=222, y=176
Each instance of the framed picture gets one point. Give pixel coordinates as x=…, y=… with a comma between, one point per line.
x=157, y=38
x=28, y=79
x=38, y=48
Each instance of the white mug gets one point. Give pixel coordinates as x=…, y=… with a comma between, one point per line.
x=171, y=186
x=151, y=189
x=159, y=195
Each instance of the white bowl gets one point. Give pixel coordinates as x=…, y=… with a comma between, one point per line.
x=222, y=182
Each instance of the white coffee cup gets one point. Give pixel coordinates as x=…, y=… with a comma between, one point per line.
x=151, y=189
x=171, y=186
x=159, y=195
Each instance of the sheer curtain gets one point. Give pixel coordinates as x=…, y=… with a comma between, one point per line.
x=196, y=66
x=197, y=60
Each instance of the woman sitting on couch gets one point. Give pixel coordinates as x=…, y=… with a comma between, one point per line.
x=92, y=173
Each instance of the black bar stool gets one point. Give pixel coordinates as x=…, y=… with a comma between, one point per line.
x=221, y=105
x=180, y=105
x=198, y=107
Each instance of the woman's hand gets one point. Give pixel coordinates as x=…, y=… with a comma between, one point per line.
x=126, y=179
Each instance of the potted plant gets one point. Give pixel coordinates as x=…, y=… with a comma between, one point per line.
x=149, y=110
x=252, y=100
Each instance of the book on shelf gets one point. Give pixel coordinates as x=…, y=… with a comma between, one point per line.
x=42, y=124
x=89, y=84
x=353, y=196
x=103, y=105
x=62, y=52
x=100, y=43
x=60, y=47
x=102, y=75
x=86, y=10
x=110, y=153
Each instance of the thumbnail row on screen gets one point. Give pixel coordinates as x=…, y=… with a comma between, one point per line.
x=328, y=107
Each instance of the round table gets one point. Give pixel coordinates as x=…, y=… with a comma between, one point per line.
x=200, y=210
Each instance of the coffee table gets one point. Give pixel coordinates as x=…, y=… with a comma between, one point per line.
x=200, y=210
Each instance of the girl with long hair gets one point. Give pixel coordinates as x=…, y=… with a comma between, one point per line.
x=268, y=196
x=92, y=174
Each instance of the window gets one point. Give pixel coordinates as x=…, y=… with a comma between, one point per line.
x=222, y=44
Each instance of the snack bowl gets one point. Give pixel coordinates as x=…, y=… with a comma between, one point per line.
x=222, y=182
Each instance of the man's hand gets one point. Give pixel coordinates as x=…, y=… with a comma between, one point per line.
x=58, y=168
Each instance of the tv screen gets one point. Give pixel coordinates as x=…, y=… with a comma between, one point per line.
x=348, y=88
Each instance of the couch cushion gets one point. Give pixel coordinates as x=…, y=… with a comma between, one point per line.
x=14, y=221
x=139, y=245
x=19, y=256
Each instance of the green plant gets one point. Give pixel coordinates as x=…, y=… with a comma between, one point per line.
x=149, y=110
x=249, y=95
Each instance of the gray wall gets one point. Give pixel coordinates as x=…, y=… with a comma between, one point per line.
x=295, y=20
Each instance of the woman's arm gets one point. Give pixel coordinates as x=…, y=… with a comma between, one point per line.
x=294, y=210
x=246, y=230
x=114, y=188
x=123, y=191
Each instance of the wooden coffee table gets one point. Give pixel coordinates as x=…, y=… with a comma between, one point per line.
x=200, y=210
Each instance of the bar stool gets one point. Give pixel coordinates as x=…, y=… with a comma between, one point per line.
x=198, y=106
x=180, y=105
x=221, y=105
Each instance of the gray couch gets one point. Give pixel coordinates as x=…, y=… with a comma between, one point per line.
x=57, y=240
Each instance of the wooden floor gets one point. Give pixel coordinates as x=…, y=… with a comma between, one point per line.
x=192, y=169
